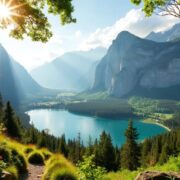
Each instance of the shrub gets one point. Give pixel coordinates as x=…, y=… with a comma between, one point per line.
x=46, y=154
x=3, y=165
x=88, y=169
x=36, y=157
x=19, y=161
x=63, y=174
x=55, y=163
x=28, y=150
x=13, y=171
x=5, y=153
x=51, y=168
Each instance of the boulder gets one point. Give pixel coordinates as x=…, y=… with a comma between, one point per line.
x=156, y=175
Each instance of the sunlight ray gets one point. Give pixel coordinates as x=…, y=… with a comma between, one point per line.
x=8, y=11
x=9, y=3
x=17, y=6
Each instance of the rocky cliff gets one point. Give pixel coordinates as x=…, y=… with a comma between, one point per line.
x=16, y=85
x=135, y=66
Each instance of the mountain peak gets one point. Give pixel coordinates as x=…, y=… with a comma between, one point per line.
x=172, y=34
x=126, y=34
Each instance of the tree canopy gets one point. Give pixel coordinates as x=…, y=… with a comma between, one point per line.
x=130, y=150
x=29, y=17
x=162, y=7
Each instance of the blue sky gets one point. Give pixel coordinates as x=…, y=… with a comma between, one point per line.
x=98, y=23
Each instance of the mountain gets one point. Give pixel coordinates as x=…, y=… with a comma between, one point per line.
x=135, y=66
x=69, y=71
x=172, y=34
x=16, y=84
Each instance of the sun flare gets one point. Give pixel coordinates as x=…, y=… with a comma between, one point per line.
x=8, y=11
x=5, y=12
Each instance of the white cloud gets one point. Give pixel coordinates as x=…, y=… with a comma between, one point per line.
x=78, y=34
x=135, y=22
x=32, y=54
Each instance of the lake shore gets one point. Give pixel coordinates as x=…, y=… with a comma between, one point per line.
x=151, y=121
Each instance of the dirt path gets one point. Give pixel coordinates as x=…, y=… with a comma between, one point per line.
x=35, y=172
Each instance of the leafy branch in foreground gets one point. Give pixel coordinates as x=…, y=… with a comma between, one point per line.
x=28, y=17
x=161, y=7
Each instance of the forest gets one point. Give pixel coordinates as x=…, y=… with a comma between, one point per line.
x=99, y=155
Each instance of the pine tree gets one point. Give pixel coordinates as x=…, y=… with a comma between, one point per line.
x=42, y=142
x=117, y=158
x=164, y=154
x=62, y=146
x=1, y=102
x=90, y=148
x=72, y=150
x=32, y=135
x=130, y=150
x=145, y=154
x=78, y=148
x=10, y=122
x=106, y=152
x=155, y=151
x=96, y=152
x=1, y=109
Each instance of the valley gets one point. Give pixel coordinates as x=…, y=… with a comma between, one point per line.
x=154, y=111
x=102, y=113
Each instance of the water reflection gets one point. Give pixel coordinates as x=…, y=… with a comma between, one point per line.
x=63, y=122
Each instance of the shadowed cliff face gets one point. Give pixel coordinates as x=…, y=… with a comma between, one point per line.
x=9, y=88
x=133, y=63
x=15, y=82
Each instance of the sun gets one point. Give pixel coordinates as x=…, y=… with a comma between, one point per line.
x=5, y=11
x=8, y=12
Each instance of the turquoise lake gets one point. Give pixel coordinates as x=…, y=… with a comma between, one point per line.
x=63, y=122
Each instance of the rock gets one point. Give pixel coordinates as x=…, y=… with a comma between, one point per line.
x=6, y=176
x=39, y=176
x=156, y=175
x=135, y=66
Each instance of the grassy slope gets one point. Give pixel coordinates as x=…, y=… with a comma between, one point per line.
x=173, y=164
x=26, y=150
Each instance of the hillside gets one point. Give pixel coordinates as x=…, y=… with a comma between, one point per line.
x=16, y=84
x=71, y=71
x=26, y=153
x=156, y=172
x=135, y=66
x=20, y=161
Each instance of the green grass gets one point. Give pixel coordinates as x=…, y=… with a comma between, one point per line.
x=28, y=150
x=173, y=164
x=92, y=96
x=121, y=175
x=13, y=171
x=13, y=156
x=55, y=164
x=46, y=153
x=62, y=174
x=19, y=160
x=16, y=156
x=36, y=157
